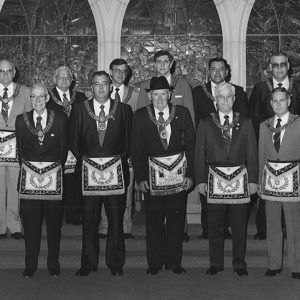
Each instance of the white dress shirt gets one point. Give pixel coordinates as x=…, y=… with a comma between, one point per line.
x=61, y=94
x=10, y=92
x=97, y=108
x=44, y=118
x=284, y=120
x=285, y=83
x=165, y=116
x=222, y=119
x=121, y=92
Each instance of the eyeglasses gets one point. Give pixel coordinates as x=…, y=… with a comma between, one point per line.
x=222, y=98
x=281, y=65
x=35, y=98
x=120, y=72
x=62, y=77
x=279, y=102
x=7, y=72
x=103, y=84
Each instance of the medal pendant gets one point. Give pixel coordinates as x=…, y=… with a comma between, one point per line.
x=40, y=135
x=102, y=126
x=164, y=134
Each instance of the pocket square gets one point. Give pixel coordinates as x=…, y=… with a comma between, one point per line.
x=52, y=134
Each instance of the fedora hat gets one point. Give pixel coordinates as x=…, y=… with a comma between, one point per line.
x=159, y=83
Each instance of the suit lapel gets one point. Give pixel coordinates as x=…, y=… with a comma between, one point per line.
x=125, y=92
x=286, y=135
x=14, y=105
x=211, y=104
x=110, y=125
x=56, y=94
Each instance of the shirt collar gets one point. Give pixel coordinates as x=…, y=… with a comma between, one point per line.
x=285, y=83
x=106, y=104
x=284, y=119
x=121, y=88
x=222, y=115
x=61, y=93
x=10, y=88
x=43, y=115
x=165, y=111
x=169, y=78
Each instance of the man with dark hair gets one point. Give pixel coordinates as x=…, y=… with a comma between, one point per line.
x=118, y=72
x=205, y=103
x=182, y=93
x=15, y=100
x=279, y=144
x=261, y=109
x=226, y=172
x=99, y=134
x=162, y=149
x=42, y=149
x=62, y=98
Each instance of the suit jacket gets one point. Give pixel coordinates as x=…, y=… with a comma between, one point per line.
x=289, y=148
x=130, y=97
x=83, y=135
x=260, y=106
x=181, y=95
x=145, y=140
x=210, y=148
x=204, y=106
x=20, y=104
x=54, y=144
x=53, y=104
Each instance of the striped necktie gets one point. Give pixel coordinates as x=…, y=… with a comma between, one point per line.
x=5, y=107
x=162, y=131
x=276, y=136
x=226, y=134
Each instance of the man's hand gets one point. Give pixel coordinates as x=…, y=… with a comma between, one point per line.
x=202, y=188
x=252, y=188
x=187, y=182
x=144, y=186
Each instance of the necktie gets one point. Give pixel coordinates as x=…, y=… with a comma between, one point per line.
x=226, y=134
x=4, y=110
x=39, y=129
x=101, y=125
x=66, y=104
x=279, y=85
x=162, y=131
x=117, y=95
x=276, y=136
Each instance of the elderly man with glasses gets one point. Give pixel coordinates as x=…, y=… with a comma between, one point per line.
x=226, y=171
x=62, y=98
x=14, y=101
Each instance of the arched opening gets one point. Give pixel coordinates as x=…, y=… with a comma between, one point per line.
x=40, y=35
x=189, y=29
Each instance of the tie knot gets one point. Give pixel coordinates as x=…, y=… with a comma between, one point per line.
x=278, y=121
x=117, y=90
x=161, y=113
x=102, y=107
x=39, y=118
x=226, y=117
x=5, y=89
x=280, y=85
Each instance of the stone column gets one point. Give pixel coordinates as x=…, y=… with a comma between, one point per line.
x=234, y=16
x=108, y=16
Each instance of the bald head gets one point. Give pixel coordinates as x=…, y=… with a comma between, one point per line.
x=7, y=72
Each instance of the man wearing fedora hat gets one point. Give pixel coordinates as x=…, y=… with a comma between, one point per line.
x=162, y=149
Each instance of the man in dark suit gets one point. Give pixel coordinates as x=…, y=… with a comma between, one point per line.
x=182, y=93
x=62, y=98
x=99, y=130
x=41, y=137
x=205, y=103
x=162, y=133
x=226, y=149
x=120, y=92
x=261, y=110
